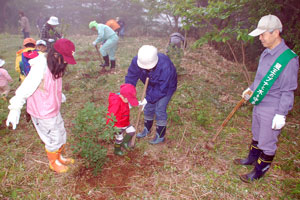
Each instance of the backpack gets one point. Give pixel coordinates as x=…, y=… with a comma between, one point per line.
x=24, y=63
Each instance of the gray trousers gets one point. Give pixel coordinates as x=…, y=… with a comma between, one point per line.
x=262, y=131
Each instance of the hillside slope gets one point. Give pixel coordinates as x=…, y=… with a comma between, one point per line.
x=181, y=168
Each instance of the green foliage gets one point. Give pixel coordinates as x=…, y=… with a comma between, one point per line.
x=202, y=117
x=91, y=134
x=3, y=109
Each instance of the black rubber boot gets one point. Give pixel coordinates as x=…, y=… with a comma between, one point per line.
x=112, y=65
x=106, y=61
x=147, y=128
x=263, y=164
x=118, y=150
x=254, y=153
x=125, y=142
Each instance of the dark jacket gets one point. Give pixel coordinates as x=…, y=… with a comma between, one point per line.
x=162, y=79
x=48, y=32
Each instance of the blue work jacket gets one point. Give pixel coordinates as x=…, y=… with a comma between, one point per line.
x=162, y=78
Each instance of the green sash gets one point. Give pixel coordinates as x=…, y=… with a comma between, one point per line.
x=273, y=73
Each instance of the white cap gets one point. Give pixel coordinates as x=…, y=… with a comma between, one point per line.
x=53, y=21
x=147, y=57
x=2, y=62
x=267, y=23
x=41, y=42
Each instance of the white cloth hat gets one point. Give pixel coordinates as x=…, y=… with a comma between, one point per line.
x=147, y=57
x=41, y=42
x=2, y=62
x=267, y=23
x=53, y=21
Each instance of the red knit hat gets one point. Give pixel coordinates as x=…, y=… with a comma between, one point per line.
x=128, y=91
x=66, y=48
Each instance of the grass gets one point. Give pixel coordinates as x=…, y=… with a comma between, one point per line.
x=181, y=168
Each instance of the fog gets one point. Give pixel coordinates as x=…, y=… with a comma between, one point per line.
x=75, y=15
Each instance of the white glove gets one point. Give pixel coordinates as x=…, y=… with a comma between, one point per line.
x=63, y=98
x=94, y=43
x=50, y=40
x=143, y=103
x=13, y=118
x=247, y=94
x=278, y=122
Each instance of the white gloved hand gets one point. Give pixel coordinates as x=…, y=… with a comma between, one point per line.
x=143, y=103
x=50, y=40
x=63, y=98
x=278, y=122
x=13, y=118
x=94, y=43
x=247, y=94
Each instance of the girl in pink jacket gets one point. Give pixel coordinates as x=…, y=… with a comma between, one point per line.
x=4, y=79
x=42, y=89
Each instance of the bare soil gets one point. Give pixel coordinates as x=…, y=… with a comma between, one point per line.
x=116, y=173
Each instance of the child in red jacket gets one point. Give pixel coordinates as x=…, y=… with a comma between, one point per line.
x=120, y=108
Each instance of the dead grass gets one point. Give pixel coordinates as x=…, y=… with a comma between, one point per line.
x=178, y=169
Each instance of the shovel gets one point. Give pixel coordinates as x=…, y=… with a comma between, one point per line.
x=132, y=141
x=100, y=57
x=210, y=145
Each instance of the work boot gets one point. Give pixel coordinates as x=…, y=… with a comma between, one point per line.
x=106, y=61
x=254, y=153
x=125, y=142
x=263, y=164
x=159, y=136
x=112, y=65
x=118, y=150
x=147, y=128
x=62, y=160
x=54, y=163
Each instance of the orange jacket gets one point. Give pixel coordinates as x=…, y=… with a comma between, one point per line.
x=113, y=24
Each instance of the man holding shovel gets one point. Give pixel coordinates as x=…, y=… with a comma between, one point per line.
x=162, y=85
x=109, y=39
x=273, y=96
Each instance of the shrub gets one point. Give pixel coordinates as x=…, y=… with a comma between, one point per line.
x=91, y=134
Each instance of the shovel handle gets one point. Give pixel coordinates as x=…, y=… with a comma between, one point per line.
x=98, y=53
x=132, y=141
x=238, y=105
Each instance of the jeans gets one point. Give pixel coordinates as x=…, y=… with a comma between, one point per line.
x=159, y=110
